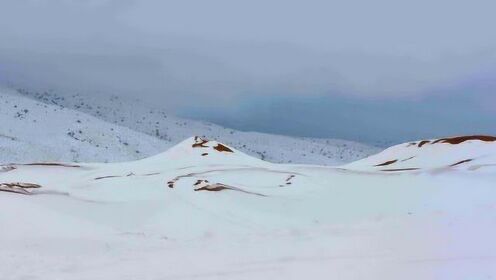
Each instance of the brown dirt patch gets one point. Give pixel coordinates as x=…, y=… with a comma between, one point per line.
x=200, y=142
x=171, y=184
x=213, y=188
x=288, y=180
x=220, y=187
x=461, y=139
x=51, y=164
x=18, y=187
x=407, y=159
x=400, y=169
x=461, y=162
x=222, y=148
x=422, y=143
x=199, y=182
x=106, y=177
x=387, y=162
x=151, y=174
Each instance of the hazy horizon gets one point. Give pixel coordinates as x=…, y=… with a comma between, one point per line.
x=382, y=71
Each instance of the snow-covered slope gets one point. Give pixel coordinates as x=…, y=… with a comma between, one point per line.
x=156, y=122
x=39, y=131
x=462, y=152
x=34, y=131
x=203, y=209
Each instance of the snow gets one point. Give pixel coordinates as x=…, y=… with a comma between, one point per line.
x=33, y=131
x=433, y=154
x=154, y=121
x=273, y=221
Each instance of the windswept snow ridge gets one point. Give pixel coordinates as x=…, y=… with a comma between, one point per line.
x=462, y=152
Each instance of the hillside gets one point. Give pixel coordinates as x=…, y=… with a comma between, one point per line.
x=34, y=131
x=203, y=209
x=158, y=123
x=471, y=152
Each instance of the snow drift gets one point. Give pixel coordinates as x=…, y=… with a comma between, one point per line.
x=462, y=152
x=203, y=209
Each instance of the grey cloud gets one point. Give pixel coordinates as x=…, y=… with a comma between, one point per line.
x=220, y=52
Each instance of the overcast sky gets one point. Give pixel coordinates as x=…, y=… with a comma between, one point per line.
x=257, y=64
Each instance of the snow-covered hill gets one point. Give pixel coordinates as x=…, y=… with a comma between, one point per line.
x=203, y=209
x=462, y=152
x=158, y=123
x=34, y=131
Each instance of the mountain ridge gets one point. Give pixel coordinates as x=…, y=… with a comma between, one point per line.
x=159, y=124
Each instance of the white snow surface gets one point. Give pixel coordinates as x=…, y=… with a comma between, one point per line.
x=204, y=210
x=470, y=153
x=34, y=131
x=156, y=122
